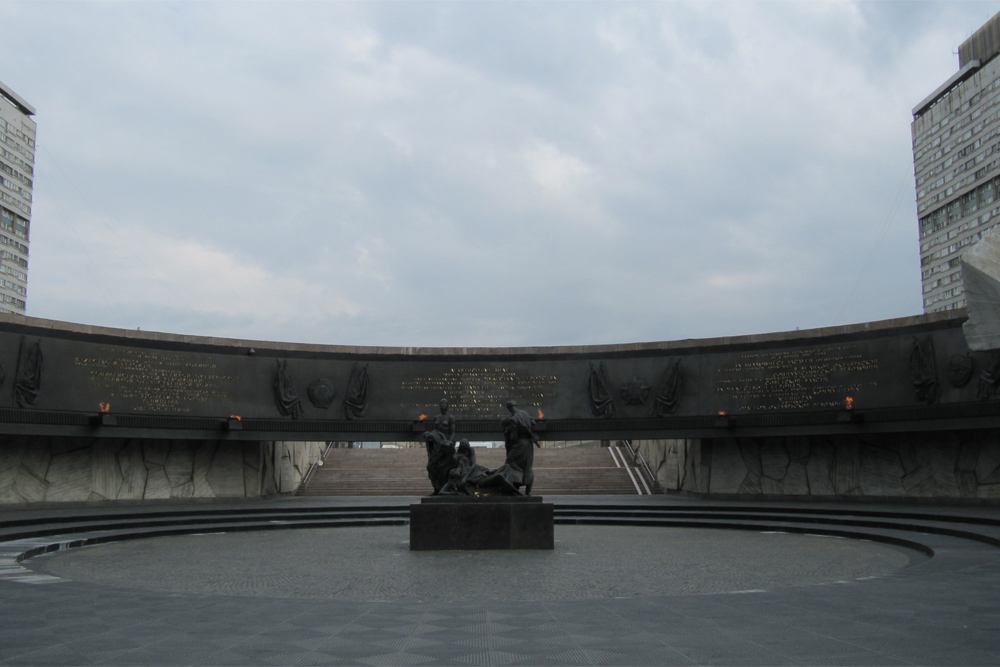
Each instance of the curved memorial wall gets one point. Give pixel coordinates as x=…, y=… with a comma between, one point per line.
x=818, y=412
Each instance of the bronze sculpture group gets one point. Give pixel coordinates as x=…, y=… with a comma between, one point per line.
x=454, y=471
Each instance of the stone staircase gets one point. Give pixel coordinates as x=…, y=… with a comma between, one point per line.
x=402, y=472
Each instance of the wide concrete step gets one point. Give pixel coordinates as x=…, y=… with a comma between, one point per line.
x=491, y=458
x=388, y=472
x=351, y=490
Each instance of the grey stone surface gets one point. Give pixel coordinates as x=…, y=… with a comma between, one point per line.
x=773, y=459
x=29, y=481
x=967, y=484
x=958, y=465
x=36, y=460
x=28, y=488
x=179, y=465
x=988, y=491
x=981, y=282
x=705, y=478
x=292, y=461
x=203, y=459
x=941, y=459
x=133, y=471
x=225, y=473
x=727, y=467
x=105, y=471
x=987, y=466
x=880, y=471
x=932, y=465
x=750, y=450
x=655, y=453
x=157, y=485
x=72, y=469
x=751, y=460
x=43, y=469
x=847, y=464
x=968, y=456
x=251, y=470
x=156, y=451
x=62, y=445
x=673, y=462
x=768, y=486
x=692, y=466
x=932, y=469
x=796, y=482
x=670, y=464
x=372, y=563
x=908, y=455
x=10, y=466
x=944, y=610
x=185, y=490
x=798, y=448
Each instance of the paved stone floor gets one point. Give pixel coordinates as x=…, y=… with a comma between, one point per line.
x=608, y=596
x=375, y=564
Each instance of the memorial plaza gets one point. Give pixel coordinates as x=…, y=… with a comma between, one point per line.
x=749, y=590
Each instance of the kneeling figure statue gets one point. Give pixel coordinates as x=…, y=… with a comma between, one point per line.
x=466, y=477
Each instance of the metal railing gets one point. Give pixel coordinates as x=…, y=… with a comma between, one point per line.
x=315, y=464
x=637, y=460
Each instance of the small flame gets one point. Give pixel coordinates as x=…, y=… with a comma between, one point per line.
x=722, y=412
x=849, y=403
x=422, y=417
x=236, y=417
x=541, y=415
x=105, y=407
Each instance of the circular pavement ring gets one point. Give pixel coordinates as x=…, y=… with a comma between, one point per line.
x=375, y=564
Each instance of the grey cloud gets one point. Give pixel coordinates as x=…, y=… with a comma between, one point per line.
x=495, y=173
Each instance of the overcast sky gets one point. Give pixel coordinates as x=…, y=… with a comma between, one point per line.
x=469, y=174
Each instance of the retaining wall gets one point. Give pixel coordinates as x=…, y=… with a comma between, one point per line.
x=39, y=469
x=943, y=464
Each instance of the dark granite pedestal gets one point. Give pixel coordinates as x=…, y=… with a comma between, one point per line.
x=492, y=522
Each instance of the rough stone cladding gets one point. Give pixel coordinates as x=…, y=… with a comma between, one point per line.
x=40, y=469
x=673, y=462
x=962, y=464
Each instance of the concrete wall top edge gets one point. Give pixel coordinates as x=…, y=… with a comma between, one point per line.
x=57, y=327
x=24, y=107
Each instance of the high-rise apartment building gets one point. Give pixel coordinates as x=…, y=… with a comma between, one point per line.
x=17, y=173
x=956, y=164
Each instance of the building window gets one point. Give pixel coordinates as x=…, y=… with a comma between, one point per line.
x=954, y=211
x=969, y=203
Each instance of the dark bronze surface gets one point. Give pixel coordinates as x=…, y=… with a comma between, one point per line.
x=481, y=524
x=779, y=381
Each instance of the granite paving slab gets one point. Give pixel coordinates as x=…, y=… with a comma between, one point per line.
x=197, y=600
